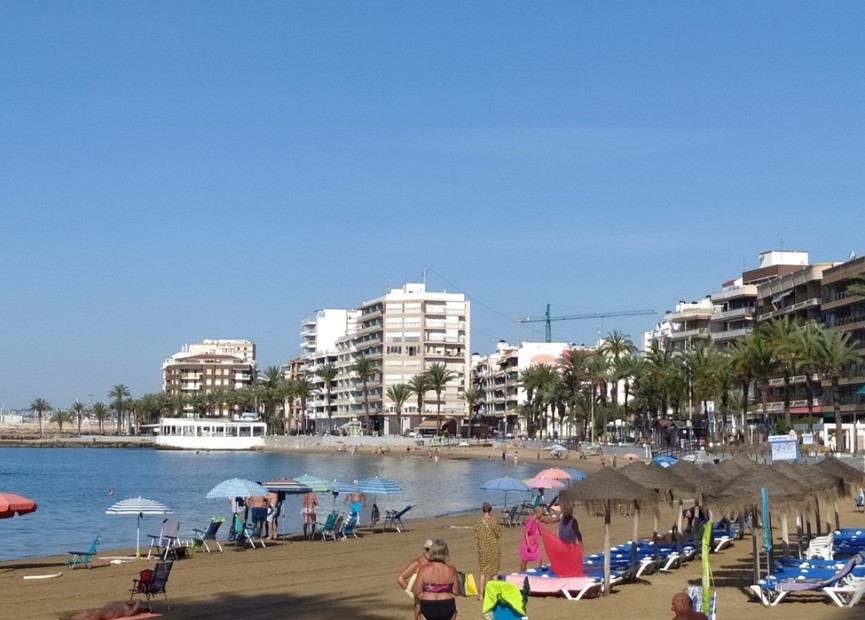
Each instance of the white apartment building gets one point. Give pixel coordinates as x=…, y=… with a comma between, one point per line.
x=402, y=333
x=498, y=376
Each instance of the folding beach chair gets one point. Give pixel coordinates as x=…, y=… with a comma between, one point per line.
x=201, y=537
x=394, y=517
x=83, y=557
x=167, y=541
x=153, y=582
x=348, y=528
x=326, y=529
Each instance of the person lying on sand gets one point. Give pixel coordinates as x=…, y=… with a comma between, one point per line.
x=110, y=611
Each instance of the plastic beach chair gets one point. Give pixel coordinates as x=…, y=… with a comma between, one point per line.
x=83, y=557
x=167, y=541
x=326, y=529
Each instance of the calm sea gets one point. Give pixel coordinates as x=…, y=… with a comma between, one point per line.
x=71, y=487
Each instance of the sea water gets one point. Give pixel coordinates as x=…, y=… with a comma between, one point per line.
x=71, y=487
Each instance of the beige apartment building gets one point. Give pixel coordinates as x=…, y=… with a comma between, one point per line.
x=207, y=367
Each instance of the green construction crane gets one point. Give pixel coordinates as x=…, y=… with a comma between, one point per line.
x=576, y=317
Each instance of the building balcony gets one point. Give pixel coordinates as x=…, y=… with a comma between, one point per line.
x=696, y=334
x=731, y=334
x=737, y=313
x=689, y=314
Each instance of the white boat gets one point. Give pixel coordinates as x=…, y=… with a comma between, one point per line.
x=210, y=434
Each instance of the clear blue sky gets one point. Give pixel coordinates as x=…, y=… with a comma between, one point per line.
x=174, y=171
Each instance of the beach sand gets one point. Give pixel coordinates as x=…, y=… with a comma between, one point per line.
x=297, y=578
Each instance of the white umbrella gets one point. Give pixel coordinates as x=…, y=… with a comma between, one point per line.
x=138, y=506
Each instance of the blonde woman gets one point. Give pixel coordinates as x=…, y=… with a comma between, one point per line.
x=437, y=585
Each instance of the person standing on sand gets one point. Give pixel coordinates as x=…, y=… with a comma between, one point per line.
x=488, y=534
x=530, y=541
x=356, y=502
x=310, y=501
x=569, y=528
x=683, y=607
x=437, y=585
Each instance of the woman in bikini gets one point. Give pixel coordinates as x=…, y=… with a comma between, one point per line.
x=437, y=585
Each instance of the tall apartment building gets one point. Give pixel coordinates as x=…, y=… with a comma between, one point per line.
x=401, y=333
x=320, y=337
x=497, y=375
x=845, y=312
x=210, y=366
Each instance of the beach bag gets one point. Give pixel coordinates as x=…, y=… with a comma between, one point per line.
x=144, y=578
x=471, y=586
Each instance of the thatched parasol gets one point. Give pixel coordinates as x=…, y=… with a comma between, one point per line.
x=727, y=470
x=823, y=486
x=667, y=484
x=853, y=478
x=599, y=493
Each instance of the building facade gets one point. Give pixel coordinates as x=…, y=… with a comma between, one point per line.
x=209, y=367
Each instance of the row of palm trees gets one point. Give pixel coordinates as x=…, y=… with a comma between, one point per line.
x=268, y=396
x=583, y=388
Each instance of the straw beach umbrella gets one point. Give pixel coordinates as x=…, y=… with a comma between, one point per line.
x=853, y=478
x=666, y=483
x=599, y=493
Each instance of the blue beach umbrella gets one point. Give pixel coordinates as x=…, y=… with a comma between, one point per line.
x=287, y=486
x=665, y=461
x=506, y=485
x=378, y=486
x=576, y=474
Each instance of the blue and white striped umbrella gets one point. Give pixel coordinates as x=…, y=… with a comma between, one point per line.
x=378, y=486
x=344, y=487
x=319, y=485
x=236, y=487
x=138, y=506
x=287, y=486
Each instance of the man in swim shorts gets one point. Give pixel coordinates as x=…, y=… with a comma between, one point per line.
x=310, y=501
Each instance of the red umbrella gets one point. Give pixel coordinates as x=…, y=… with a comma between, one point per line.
x=11, y=504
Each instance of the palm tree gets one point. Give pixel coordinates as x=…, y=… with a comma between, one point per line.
x=327, y=373
x=268, y=390
x=118, y=393
x=100, y=412
x=399, y=394
x=783, y=338
x=615, y=347
x=365, y=369
x=79, y=409
x=60, y=417
x=303, y=388
x=471, y=396
x=742, y=366
x=439, y=376
x=835, y=353
x=809, y=336
x=40, y=406
x=420, y=385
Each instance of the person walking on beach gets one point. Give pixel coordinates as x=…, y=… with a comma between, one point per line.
x=273, y=508
x=488, y=534
x=683, y=607
x=437, y=585
x=409, y=573
x=310, y=501
x=356, y=502
x=530, y=541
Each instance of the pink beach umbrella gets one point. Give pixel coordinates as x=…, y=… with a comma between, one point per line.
x=554, y=473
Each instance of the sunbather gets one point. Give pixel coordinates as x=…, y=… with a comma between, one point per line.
x=683, y=607
x=110, y=611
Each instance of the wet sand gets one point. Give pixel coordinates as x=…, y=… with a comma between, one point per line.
x=296, y=578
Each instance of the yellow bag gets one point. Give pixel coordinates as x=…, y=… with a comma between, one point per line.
x=471, y=587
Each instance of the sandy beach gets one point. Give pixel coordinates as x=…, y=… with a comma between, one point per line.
x=297, y=578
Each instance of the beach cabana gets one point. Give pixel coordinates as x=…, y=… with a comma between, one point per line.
x=603, y=490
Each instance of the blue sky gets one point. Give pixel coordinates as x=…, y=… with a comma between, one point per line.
x=171, y=172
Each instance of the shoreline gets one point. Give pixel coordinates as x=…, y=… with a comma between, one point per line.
x=318, y=580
